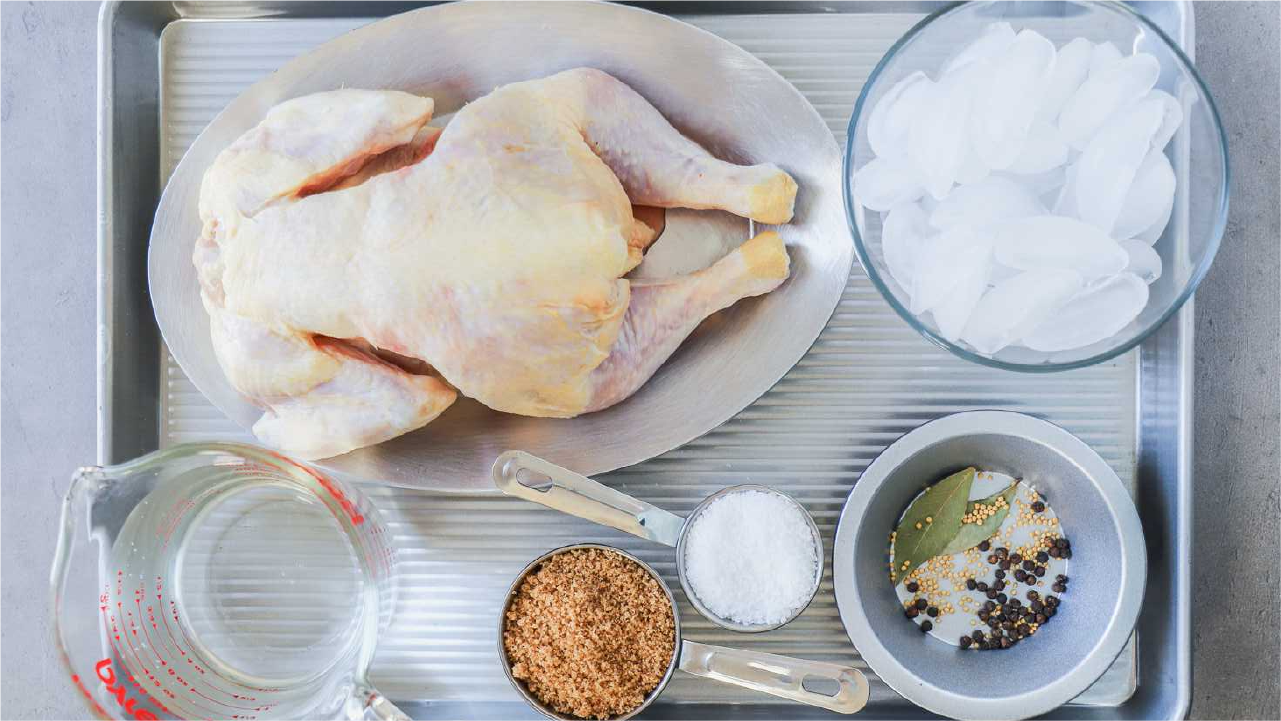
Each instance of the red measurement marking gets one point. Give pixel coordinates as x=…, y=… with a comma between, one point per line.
x=352, y=512
x=117, y=690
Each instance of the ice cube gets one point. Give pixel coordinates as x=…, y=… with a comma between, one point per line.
x=972, y=168
x=1042, y=184
x=903, y=235
x=1099, y=97
x=891, y=118
x=1070, y=70
x=937, y=135
x=1093, y=315
x=1171, y=117
x=942, y=262
x=990, y=200
x=1111, y=160
x=884, y=183
x=1017, y=305
x=1000, y=272
x=1144, y=261
x=1065, y=205
x=1007, y=100
x=1054, y=242
x=1102, y=57
x=995, y=39
x=1043, y=150
x=1149, y=196
x=952, y=314
x=1157, y=229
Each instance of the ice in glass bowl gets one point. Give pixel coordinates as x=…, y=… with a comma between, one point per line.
x=930, y=138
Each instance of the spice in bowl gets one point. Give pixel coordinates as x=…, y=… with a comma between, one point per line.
x=979, y=560
x=590, y=633
x=751, y=557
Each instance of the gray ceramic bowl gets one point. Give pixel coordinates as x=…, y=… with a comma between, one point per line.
x=1108, y=568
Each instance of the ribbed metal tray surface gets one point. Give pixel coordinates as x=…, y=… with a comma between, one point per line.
x=867, y=380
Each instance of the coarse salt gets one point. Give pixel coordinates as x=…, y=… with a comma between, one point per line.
x=750, y=557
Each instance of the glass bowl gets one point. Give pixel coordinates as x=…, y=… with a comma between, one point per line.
x=1197, y=153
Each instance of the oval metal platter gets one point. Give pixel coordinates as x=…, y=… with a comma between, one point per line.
x=712, y=91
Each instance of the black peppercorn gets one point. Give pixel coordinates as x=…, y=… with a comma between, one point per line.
x=1020, y=575
x=981, y=586
x=1051, y=600
x=1037, y=606
x=993, y=623
x=1041, y=618
x=1008, y=625
x=984, y=616
x=926, y=626
x=990, y=593
x=1038, y=507
x=1015, y=558
x=984, y=546
x=1039, y=571
x=1002, y=598
x=977, y=635
x=1028, y=565
x=1006, y=642
x=1033, y=595
x=912, y=612
x=970, y=584
x=921, y=604
x=1000, y=573
x=989, y=605
x=913, y=586
x=983, y=645
x=992, y=559
x=1066, y=553
x=1004, y=565
x=1061, y=543
x=1002, y=552
x=1054, y=553
x=966, y=641
x=999, y=585
x=1058, y=588
x=1042, y=556
x=1061, y=578
x=1050, y=611
x=932, y=611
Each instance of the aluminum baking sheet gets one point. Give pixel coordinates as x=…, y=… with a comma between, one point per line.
x=867, y=380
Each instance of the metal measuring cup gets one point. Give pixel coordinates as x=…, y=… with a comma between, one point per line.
x=526, y=476
x=780, y=676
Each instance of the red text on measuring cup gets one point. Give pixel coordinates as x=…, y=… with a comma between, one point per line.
x=107, y=676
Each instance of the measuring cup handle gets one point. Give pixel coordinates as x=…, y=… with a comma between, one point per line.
x=780, y=676
x=520, y=474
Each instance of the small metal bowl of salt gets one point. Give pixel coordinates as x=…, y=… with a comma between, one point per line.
x=749, y=557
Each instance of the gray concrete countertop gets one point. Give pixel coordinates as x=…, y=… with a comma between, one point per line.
x=47, y=266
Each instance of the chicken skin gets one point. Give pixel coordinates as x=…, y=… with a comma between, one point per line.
x=361, y=268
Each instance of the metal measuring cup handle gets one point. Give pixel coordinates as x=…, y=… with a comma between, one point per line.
x=520, y=474
x=780, y=676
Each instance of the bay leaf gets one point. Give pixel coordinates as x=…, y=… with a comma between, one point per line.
x=970, y=535
x=938, y=513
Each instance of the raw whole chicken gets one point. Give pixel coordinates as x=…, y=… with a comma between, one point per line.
x=360, y=268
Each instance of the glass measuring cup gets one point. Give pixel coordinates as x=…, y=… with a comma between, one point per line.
x=526, y=476
x=165, y=604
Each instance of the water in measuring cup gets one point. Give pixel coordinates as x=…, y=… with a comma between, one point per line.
x=233, y=594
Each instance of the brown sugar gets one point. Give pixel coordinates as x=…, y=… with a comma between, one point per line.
x=590, y=633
